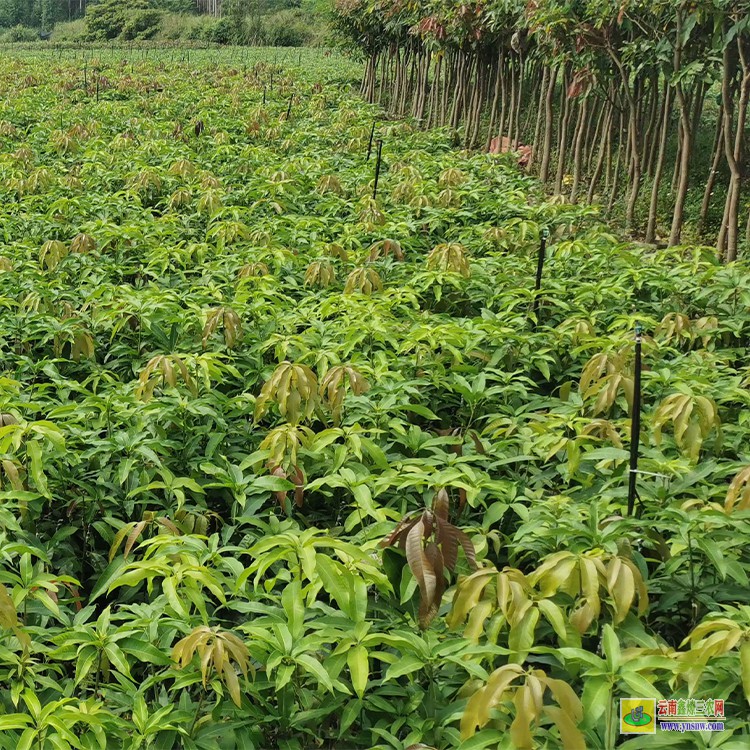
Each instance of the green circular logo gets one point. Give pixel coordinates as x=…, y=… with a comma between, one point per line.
x=637, y=720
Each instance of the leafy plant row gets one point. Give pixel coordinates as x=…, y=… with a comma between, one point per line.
x=639, y=107
x=283, y=465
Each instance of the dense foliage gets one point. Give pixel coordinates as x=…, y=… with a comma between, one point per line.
x=284, y=466
x=283, y=23
x=641, y=107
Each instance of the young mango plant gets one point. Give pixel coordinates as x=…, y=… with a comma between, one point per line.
x=431, y=543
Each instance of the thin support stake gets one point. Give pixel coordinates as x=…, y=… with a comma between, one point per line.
x=377, y=168
x=539, y=271
x=369, y=145
x=635, y=422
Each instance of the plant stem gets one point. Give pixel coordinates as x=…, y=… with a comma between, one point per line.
x=608, y=743
x=197, y=713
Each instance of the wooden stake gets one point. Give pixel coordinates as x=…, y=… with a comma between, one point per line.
x=635, y=422
x=377, y=168
x=369, y=145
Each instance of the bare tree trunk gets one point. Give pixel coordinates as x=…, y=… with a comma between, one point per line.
x=578, y=146
x=718, y=150
x=603, y=147
x=539, y=110
x=548, y=123
x=592, y=141
x=562, y=136
x=503, y=99
x=659, y=164
x=728, y=237
x=686, y=142
x=519, y=94
x=512, y=107
x=495, y=100
x=616, y=172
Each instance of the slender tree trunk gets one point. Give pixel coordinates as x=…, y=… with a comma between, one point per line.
x=578, y=146
x=728, y=237
x=503, y=100
x=603, y=148
x=686, y=141
x=652, y=119
x=519, y=99
x=539, y=112
x=548, y=124
x=562, y=136
x=616, y=171
x=718, y=150
x=592, y=142
x=635, y=159
x=659, y=165
x=512, y=105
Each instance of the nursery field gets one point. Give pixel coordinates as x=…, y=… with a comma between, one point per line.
x=283, y=465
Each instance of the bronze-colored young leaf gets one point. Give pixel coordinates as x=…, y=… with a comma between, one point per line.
x=431, y=544
x=333, y=387
x=449, y=257
x=228, y=320
x=294, y=389
x=320, y=273
x=504, y=687
x=363, y=281
x=219, y=653
x=738, y=494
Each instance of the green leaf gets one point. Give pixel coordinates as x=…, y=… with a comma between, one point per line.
x=315, y=668
x=36, y=467
x=14, y=721
x=521, y=636
x=359, y=668
x=349, y=715
x=407, y=664
x=745, y=668
x=640, y=686
x=110, y=574
x=421, y=411
x=144, y=651
x=611, y=646
x=271, y=484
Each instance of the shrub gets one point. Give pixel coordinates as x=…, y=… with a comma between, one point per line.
x=288, y=28
x=20, y=34
x=69, y=31
x=110, y=19
x=175, y=26
x=219, y=31
x=141, y=24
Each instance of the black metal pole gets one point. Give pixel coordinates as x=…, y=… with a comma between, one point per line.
x=289, y=108
x=635, y=422
x=539, y=271
x=369, y=145
x=377, y=168
x=264, y=96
